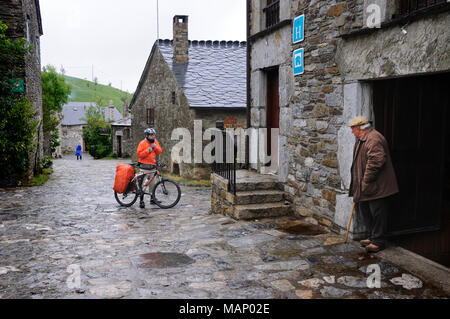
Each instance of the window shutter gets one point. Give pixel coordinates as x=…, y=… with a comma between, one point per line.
x=151, y=116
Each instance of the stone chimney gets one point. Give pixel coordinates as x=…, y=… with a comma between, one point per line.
x=125, y=109
x=111, y=113
x=180, y=39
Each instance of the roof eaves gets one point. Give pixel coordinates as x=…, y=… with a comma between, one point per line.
x=144, y=74
x=38, y=12
x=215, y=107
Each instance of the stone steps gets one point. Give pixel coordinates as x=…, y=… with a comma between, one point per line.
x=252, y=185
x=259, y=197
x=255, y=211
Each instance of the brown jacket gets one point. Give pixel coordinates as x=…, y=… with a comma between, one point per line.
x=373, y=175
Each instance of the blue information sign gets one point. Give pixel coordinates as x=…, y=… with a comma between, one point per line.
x=298, y=31
x=297, y=61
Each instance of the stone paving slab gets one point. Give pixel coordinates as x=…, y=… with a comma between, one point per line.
x=70, y=239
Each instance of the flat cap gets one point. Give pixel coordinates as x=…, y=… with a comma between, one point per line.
x=358, y=121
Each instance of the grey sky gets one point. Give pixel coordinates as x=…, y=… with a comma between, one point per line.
x=116, y=36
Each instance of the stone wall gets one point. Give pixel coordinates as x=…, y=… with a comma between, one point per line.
x=71, y=137
x=389, y=53
x=315, y=106
x=221, y=199
x=14, y=13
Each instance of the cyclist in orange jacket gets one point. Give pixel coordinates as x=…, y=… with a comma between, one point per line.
x=147, y=151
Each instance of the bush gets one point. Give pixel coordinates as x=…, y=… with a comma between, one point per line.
x=46, y=162
x=98, y=144
x=17, y=128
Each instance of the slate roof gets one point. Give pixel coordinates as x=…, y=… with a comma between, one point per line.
x=122, y=122
x=74, y=112
x=215, y=75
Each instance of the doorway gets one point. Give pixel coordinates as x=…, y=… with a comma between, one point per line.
x=413, y=114
x=119, y=146
x=272, y=116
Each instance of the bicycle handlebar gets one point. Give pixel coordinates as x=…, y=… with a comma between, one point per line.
x=158, y=164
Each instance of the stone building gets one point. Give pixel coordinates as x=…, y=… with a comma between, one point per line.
x=23, y=18
x=73, y=120
x=186, y=81
x=387, y=60
x=122, y=142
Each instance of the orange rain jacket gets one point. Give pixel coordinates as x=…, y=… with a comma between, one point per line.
x=144, y=156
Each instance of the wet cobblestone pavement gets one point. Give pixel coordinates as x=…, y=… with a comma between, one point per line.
x=73, y=225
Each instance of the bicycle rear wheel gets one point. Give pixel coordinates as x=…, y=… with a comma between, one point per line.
x=167, y=193
x=129, y=197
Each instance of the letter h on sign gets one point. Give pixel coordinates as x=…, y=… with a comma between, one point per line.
x=298, y=31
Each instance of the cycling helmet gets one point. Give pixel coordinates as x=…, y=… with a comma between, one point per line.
x=150, y=131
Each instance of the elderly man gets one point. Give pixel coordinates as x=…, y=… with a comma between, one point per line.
x=373, y=181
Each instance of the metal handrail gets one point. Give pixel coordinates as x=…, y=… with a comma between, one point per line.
x=225, y=169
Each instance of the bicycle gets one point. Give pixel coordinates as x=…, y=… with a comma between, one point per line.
x=166, y=193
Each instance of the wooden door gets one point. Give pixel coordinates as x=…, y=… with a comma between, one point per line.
x=412, y=113
x=273, y=108
x=119, y=146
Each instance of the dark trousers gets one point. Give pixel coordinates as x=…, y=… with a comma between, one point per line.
x=140, y=181
x=374, y=216
x=79, y=157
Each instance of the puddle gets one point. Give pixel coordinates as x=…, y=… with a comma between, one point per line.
x=164, y=260
x=303, y=229
x=287, y=254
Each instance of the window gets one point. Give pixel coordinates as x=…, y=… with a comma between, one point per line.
x=272, y=12
x=126, y=133
x=151, y=116
x=410, y=6
x=27, y=25
x=173, y=97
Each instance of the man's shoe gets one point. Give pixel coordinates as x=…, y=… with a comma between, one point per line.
x=142, y=205
x=373, y=248
x=365, y=242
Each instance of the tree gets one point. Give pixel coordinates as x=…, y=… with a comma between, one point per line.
x=97, y=133
x=100, y=101
x=55, y=93
x=17, y=127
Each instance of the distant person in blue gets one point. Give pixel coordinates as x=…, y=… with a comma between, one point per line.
x=79, y=152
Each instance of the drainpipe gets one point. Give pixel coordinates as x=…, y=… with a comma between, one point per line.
x=247, y=146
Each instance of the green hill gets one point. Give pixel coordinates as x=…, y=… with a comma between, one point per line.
x=87, y=91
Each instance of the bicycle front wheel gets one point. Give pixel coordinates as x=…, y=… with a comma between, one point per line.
x=129, y=197
x=167, y=193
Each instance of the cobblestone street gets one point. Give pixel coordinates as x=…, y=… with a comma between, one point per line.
x=73, y=225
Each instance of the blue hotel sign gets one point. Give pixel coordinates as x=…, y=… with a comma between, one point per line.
x=297, y=63
x=298, y=35
x=298, y=32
